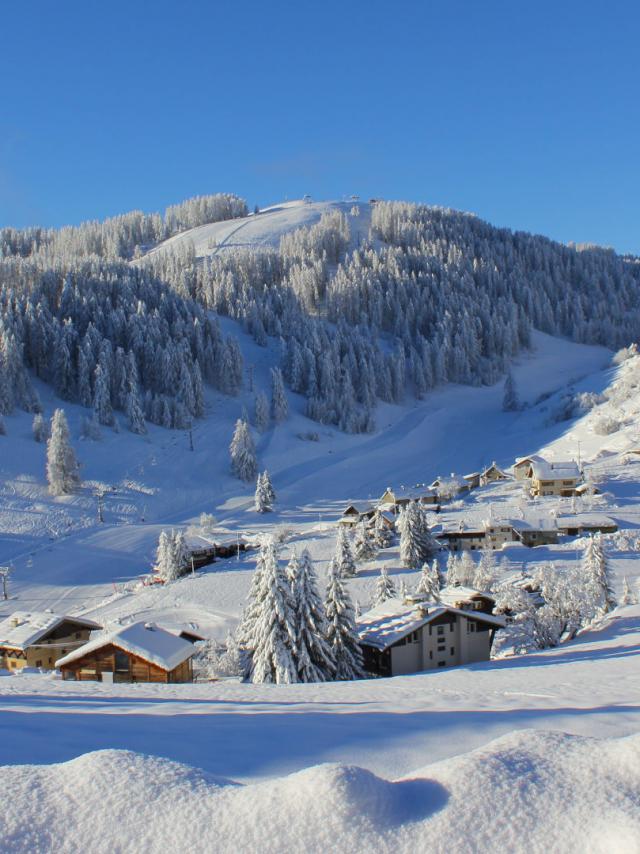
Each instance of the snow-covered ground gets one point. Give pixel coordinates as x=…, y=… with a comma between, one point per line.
x=578, y=794
x=264, y=229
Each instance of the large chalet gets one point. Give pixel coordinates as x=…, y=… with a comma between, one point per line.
x=40, y=638
x=409, y=635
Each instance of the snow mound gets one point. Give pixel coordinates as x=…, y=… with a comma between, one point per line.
x=528, y=791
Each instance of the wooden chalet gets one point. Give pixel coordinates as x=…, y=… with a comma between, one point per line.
x=140, y=652
x=491, y=474
x=355, y=513
x=40, y=638
x=392, y=500
x=472, y=480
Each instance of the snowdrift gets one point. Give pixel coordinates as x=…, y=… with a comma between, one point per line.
x=528, y=791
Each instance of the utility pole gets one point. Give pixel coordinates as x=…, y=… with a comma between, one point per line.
x=100, y=500
x=4, y=575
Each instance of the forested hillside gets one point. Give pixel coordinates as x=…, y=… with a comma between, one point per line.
x=428, y=296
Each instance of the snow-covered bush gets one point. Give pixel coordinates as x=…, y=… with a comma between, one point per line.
x=606, y=425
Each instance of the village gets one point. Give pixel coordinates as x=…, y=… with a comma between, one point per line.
x=445, y=621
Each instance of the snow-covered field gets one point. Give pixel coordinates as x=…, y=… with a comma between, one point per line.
x=263, y=229
x=534, y=789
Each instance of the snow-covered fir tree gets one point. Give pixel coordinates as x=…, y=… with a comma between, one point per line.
x=416, y=543
x=344, y=561
x=363, y=545
x=244, y=464
x=261, y=414
x=102, y=396
x=510, y=400
x=597, y=574
x=342, y=634
x=262, y=501
x=627, y=597
x=466, y=570
x=172, y=556
x=39, y=428
x=272, y=644
x=63, y=472
x=382, y=535
x=314, y=657
x=384, y=588
x=485, y=574
x=429, y=582
x=279, y=404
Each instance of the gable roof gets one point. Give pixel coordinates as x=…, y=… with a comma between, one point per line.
x=394, y=619
x=543, y=470
x=145, y=640
x=532, y=458
x=358, y=507
x=22, y=629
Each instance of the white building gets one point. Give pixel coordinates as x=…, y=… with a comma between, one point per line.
x=402, y=636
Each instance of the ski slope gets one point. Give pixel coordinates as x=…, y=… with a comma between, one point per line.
x=264, y=229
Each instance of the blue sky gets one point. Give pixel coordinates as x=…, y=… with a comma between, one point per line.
x=527, y=114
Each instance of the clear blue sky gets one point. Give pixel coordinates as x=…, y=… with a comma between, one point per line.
x=527, y=114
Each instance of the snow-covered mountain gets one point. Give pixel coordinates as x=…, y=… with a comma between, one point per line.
x=190, y=295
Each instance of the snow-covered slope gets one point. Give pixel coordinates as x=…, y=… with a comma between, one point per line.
x=533, y=792
x=264, y=229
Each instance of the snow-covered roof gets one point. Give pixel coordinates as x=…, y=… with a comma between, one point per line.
x=586, y=520
x=146, y=640
x=358, y=507
x=543, y=470
x=532, y=458
x=392, y=620
x=24, y=628
x=450, y=595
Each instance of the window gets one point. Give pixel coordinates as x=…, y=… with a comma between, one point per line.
x=442, y=664
x=77, y=634
x=450, y=627
x=453, y=650
x=471, y=627
x=431, y=654
x=39, y=663
x=440, y=630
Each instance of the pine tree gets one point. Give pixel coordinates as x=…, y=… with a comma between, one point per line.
x=262, y=498
x=314, y=657
x=243, y=453
x=342, y=634
x=363, y=543
x=62, y=466
x=627, y=593
x=268, y=486
x=429, y=582
x=466, y=569
x=40, y=428
x=279, y=405
x=485, y=575
x=164, y=557
x=273, y=641
x=344, y=561
x=598, y=576
x=384, y=588
x=102, y=397
x=510, y=401
x=416, y=543
x=382, y=534
x=261, y=412
x=453, y=567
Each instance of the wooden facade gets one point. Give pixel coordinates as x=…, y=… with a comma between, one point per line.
x=44, y=652
x=118, y=665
